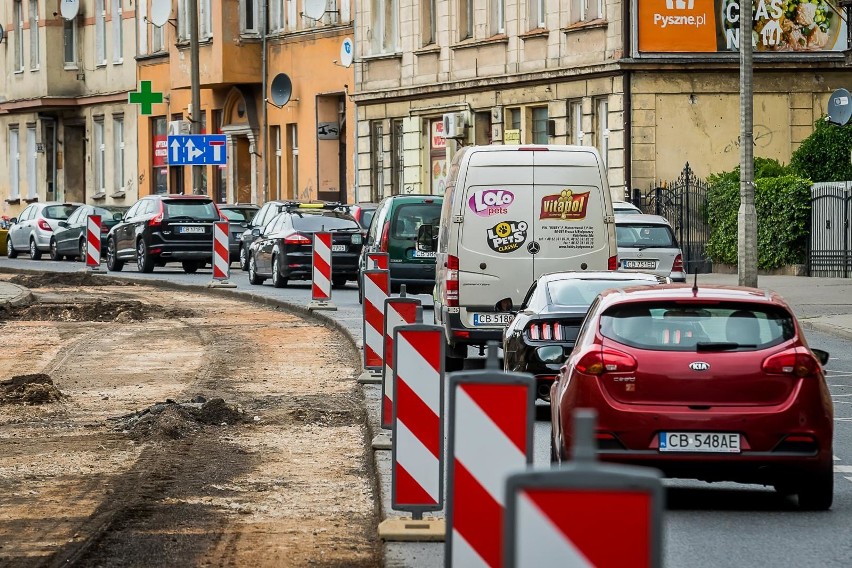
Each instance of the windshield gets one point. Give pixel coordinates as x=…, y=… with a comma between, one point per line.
x=678, y=326
x=409, y=217
x=583, y=292
x=312, y=222
x=238, y=215
x=61, y=212
x=194, y=209
x=645, y=236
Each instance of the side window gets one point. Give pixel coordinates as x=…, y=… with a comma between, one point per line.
x=133, y=210
x=260, y=218
x=147, y=207
x=585, y=330
x=27, y=214
x=378, y=221
x=75, y=216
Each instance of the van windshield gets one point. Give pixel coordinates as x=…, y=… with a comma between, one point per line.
x=408, y=218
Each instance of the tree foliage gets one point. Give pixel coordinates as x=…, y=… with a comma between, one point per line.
x=825, y=154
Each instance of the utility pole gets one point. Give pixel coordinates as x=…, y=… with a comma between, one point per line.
x=747, y=215
x=195, y=116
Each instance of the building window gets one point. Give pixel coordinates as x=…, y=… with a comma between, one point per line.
x=100, y=33
x=292, y=16
x=538, y=13
x=117, y=32
x=69, y=28
x=32, y=162
x=539, y=125
x=576, y=117
x=98, y=152
x=14, y=164
x=183, y=20
x=205, y=20
x=293, y=159
x=384, y=13
x=158, y=42
x=118, y=147
x=275, y=190
x=34, y=35
x=397, y=158
x=142, y=33
x=465, y=26
x=587, y=10
x=498, y=17
x=377, y=164
x=276, y=15
x=249, y=16
x=19, y=36
x=427, y=22
x=159, y=141
x=220, y=178
x=602, y=127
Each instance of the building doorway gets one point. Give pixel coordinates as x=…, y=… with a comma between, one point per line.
x=242, y=169
x=74, y=150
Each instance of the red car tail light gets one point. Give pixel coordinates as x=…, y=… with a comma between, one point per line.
x=44, y=225
x=612, y=263
x=545, y=331
x=297, y=239
x=677, y=265
x=791, y=362
x=157, y=220
x=383, y=242
x=452, y=282
x=606, y=361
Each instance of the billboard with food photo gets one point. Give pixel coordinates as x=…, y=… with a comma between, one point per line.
x=713, y=26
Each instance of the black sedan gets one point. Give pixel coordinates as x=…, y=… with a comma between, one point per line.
x=69, y=239
x=283, y=250
x=542, y=334
x=239, y=216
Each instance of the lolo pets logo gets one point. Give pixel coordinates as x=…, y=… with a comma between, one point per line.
x=488, y=202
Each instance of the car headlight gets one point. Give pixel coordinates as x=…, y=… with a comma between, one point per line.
x=356, y=239
x=550, y=354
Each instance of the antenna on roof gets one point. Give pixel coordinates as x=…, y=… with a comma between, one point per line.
x=695, y=283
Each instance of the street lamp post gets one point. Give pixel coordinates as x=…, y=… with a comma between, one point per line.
x=195, y=115
x=747, y=215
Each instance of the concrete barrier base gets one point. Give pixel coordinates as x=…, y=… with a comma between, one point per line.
x=318, y=305
x=370, y=378
x=221, y=284
x=383, y=441
x=406, y=529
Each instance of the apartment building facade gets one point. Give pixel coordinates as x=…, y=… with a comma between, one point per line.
x=66, y=130
x=652, y=83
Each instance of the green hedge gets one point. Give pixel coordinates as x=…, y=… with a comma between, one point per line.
x=783, y=204
x=824, y=155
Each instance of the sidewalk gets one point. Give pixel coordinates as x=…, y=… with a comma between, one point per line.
x=14, y=295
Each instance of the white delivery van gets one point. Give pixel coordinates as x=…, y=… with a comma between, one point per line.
x=511, y=214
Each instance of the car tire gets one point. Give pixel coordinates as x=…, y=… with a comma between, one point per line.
x=54, y=254
x=244, y=265
x=338, y=281
x=144, y=260
x=190, y=266
x=360, y=289
x=817, y=491
x=277, y=280
x=112, y=262
x=10, y=249
x=82, y=249
x=35, y=254
x=252, y=271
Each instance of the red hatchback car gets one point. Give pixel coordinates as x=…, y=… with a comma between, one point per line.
x=713, y=383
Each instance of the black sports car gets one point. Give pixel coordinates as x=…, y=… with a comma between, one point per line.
x=542, y=334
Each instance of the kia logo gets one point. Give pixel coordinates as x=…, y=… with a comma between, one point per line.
x=699, y=366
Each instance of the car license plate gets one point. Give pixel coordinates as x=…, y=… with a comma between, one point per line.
x=184, y=229
x=338, y=248
x=424, y=254
x=652, y=264
x=709, y=442
x=491, y=319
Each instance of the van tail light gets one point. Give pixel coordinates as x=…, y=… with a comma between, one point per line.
x=452, y=282
x=791, y=362
x=44, y=225
x=600, y=361
x=297, y=239
x=612, y=263
x=677, y=266
x=157, y=220
x=383, y=241
x=546, y=331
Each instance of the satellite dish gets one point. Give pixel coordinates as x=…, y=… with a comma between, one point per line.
x=281, y=89
x=69, y=9
x=2, y=33
x=160, y=12
x=314, y=9
x=840, y=107
x=347, y=52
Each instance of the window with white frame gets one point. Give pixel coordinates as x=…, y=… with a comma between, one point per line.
x=385, y=30
x=538, y=14
x=14, y=164
x=205, y=20
x=19, y=35
x=539, y=125
x=183, y=20
x=100, y=32
x=498, y=17
x=576, y=116
x=118, y=148
x=587, y=10
x=276, y=15
x=427, y=22
x=34, y=35
x=249, y=17
x=602, y=127
x=279, y=154
x=142, y=21
x=465, y=24
x=32, y=162
x=117, y=33
x=69, y=33
x=98, y=151
x=292, y=16
x=293, y=158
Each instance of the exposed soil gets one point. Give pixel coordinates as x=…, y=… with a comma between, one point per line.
x=145, y=427
x=59, y=279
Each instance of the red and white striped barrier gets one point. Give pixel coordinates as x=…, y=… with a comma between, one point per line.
x=490, y=436
x=93, y=241
x=221, y=251
x=398, y=312
x=377, y=260
x=418, y=419
x=321, y=289
x=376, y=290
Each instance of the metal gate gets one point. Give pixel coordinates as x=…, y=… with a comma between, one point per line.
x=683, y=203
x=831, y=235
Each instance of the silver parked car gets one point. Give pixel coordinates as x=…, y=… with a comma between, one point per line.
x=647, y=243
x=625, y=208
x=33, y=230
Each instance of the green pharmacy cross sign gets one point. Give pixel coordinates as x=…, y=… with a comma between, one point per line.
x=145, y=98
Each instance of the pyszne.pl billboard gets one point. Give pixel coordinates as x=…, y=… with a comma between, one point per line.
x=713, y=26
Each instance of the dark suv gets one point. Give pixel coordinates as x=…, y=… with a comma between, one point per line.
x=159, y=229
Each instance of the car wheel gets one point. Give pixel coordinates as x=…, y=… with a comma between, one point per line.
x=144, y=261
x=338, y=281
x=10, y=250
x=189, y=266
x=243, y=258
x=277, y=280
x=83, y=251
x=113, y=264
x=817, y=491
x=360, y=290
x=35, y=254
x=54, y=254
x=252, y=271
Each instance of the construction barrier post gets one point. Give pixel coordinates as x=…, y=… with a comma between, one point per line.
x=93, y=243
x=568, y=516
x=491, y=420
x=321, y=287
x=417, y=461
x=377, y=260
x=376, y=286
x=221, y=256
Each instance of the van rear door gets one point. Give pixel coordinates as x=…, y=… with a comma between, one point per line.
x=571, y=202
x=496, y=209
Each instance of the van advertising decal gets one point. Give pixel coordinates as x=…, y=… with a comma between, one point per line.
x=566, y=206
x=568, y=237
x=507, y=236
x=488, y=202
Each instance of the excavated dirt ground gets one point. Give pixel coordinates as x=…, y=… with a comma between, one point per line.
x=147, y=427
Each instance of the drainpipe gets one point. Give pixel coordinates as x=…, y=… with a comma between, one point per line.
x=628, y=100
x=264, y=159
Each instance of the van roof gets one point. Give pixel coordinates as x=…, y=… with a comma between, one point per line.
x=531, y=147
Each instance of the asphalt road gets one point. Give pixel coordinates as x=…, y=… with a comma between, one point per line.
x=706, y=525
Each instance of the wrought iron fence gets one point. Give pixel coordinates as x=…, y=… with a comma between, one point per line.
x=683, y=202
x=831, y=234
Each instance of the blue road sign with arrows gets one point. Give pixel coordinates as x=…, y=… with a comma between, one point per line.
x=197, y=150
